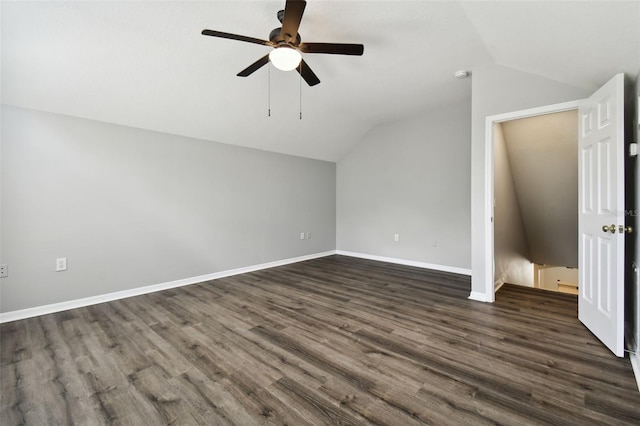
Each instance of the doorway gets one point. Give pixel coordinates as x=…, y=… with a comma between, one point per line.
x=535, y=207
x=601, y=221
x=491, y=121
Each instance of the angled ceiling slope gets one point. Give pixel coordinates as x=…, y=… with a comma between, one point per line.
x=145, y=64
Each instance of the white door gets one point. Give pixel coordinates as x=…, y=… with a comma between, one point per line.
x=601, y=214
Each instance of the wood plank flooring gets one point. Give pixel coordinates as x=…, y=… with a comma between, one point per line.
x=335, y=340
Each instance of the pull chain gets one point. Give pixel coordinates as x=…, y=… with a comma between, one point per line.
x=300, y=73
x=269, y=91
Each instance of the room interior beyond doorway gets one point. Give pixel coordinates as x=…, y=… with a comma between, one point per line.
x=555, y=278
x=536, y=201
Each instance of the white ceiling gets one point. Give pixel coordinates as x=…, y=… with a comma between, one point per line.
x=145, y=63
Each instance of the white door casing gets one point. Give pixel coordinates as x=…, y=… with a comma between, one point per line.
x=488, y=295
x=601, y=203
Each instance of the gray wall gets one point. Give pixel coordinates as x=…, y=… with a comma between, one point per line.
x=511, y=248
x=409, y=177
x=131, y=207
x=497, y=89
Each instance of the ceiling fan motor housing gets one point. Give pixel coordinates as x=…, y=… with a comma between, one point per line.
x=280, y=39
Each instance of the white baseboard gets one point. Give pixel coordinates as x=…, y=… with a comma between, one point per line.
x=94, y=300
x=478, y=296
x=499, y=283
x=424, y=265
x=635, y=366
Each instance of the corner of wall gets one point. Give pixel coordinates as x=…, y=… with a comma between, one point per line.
x=497, y=89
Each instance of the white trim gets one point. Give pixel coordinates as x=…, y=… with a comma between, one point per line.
x=489, y=201
x=635, y=366
x=489, y=290
x=443, y=268
x=93, y=300
x=478, y=296
x=499, y=283
x=534, y=112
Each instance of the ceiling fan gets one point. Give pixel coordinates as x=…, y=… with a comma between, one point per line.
x=288, y=45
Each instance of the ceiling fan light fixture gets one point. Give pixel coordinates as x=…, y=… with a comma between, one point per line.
x=285, y=58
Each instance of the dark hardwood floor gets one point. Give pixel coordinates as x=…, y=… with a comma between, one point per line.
x=335, y=340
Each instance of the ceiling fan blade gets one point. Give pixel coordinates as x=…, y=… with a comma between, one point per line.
x=236, y=37
x=309, y=76
x=293, y=11
x=254, y=66
x=332, y=48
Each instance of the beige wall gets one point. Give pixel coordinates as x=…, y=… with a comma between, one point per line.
x=543, y=152
x=511, y=249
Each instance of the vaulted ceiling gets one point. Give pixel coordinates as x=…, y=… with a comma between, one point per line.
x=145, y=64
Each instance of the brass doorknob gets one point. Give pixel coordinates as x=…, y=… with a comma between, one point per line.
x=611, y=229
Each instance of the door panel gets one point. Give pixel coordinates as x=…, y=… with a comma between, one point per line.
x=601, y=202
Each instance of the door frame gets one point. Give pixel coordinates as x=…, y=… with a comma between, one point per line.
x=489, y=279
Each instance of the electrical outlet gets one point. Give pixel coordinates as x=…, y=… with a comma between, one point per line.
x=434, y=243
x=61, y=264
x=396, y=237
x=302, y=235
x=4, y=270
x=308, y=235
